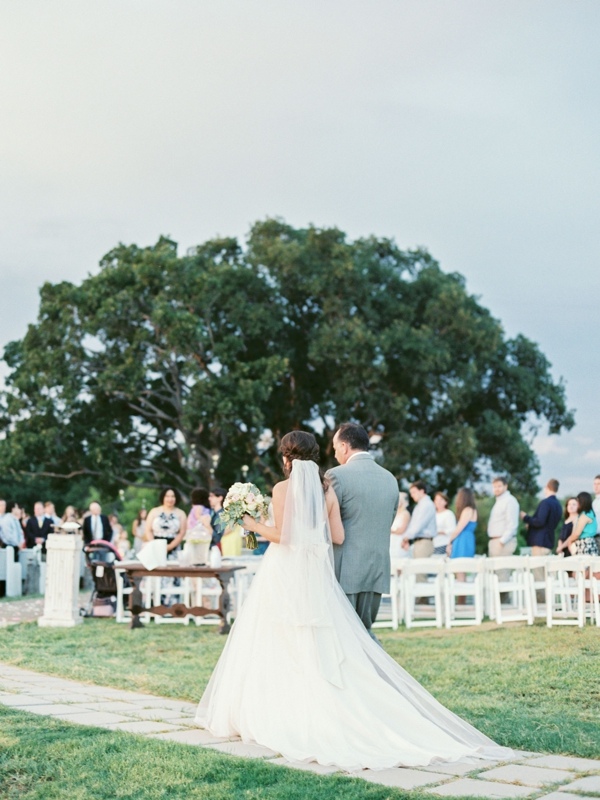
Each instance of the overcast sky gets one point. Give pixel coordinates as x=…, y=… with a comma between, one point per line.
x=470, y=127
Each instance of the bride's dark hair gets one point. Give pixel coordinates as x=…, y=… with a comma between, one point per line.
x=301, y=446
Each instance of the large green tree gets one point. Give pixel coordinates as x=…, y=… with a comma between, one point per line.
x=154, y=367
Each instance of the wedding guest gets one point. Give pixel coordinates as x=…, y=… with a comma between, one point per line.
x=2, y=508
x=541, y=527
x=116, y=528
x=137, y=529
x=215, y=500
x=569, y=516
x=582, y=541
x=504, y=521
x=399, y=526
x=596, y=505
x=50, y=512
x=445, y=522
x=38, y=526
x=461, y=542
x=96, y=524
x=421, y=529
x=462, y=539
x=166, y=521
x=123, y=544
x=70, y=515
x=199, y=518
x=11, y=531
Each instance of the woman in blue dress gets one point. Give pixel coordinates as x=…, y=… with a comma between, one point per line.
x=462, y=538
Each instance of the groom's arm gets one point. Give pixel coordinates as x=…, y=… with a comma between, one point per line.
x=336, y=485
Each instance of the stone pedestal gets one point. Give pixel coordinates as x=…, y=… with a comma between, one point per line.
x=61, y=600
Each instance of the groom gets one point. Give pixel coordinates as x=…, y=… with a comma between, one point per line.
x=368, y=497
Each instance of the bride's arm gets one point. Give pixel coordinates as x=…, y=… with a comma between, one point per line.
x=272, y=533
x=335, y=518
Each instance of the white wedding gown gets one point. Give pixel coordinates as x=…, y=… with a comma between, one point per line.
x=300, y=674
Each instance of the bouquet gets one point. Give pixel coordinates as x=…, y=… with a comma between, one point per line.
x=244, y=498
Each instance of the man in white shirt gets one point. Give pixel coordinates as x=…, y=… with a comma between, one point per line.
x=503, y=522
x=422, y=527
x=596, y=506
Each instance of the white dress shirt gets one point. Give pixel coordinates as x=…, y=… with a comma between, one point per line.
x=504, y=518
x=445, y=523
x=11, y=531
x=596, y=507
x=422, y=522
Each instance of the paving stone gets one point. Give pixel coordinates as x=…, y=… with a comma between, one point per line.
x=471, y=787
x=114, y=706
x=454, y=767
x=589, y=784
x=401, y=777
x=142, y=726
x=62, y=697
x=306, y=766
x=566, y=796
x=155, y=713
x=57, y=709
x=183, y=722
x=196, y=736
x=22, y=701
x=529, y=776
x=566, y=762
x=99, y=718
x=244, y=750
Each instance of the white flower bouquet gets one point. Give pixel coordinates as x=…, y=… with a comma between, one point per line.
x=244, y=498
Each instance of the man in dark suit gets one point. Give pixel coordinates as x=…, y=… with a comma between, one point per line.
x=38, y=527
x=541, y=527
x=96, y=525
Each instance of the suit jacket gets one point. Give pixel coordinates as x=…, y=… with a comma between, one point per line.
x=88, y=535
x=368, y=496
x=541, y=530
x=34, y=531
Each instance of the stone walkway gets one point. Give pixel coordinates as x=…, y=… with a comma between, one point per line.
x=529, y=775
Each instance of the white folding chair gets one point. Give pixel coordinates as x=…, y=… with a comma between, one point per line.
x=412, y=589
x=395, y=597
x=201, y=590
x=565, y=591
x=472, y=586
x=537, y=583
x=510, y=575
x=242, y=578
x=11, y=572
x=159, y=588
x=595, y=589
x=123, y=614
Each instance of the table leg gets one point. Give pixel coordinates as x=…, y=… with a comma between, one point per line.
x=136, y=603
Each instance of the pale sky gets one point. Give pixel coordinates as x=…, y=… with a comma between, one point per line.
x=470, y=127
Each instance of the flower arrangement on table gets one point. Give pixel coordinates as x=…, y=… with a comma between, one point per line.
x=244, y=498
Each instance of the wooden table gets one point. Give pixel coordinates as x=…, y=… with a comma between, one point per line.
x=135, y=571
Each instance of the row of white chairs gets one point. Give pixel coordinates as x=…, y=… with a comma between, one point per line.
x=571, y=587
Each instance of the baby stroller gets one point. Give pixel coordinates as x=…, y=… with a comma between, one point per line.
x=100, y=557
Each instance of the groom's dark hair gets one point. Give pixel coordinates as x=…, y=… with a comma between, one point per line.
x=354, y=435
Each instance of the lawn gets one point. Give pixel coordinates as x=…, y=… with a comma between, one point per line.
x=529, y=688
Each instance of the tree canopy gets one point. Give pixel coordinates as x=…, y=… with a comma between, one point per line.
x=158, y=365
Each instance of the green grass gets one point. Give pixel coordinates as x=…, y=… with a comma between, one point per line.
x=530, y=688
x=43, y=759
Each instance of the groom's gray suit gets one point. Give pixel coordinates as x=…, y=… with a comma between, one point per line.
x=368, y=497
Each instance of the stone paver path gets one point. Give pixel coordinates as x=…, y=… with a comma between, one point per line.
x=530, y=775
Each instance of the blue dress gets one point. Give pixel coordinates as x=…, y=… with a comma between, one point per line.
x=464, y=544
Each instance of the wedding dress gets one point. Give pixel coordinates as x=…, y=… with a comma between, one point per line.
x=300, y=674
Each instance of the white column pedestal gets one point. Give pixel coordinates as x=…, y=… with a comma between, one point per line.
x=61, y=600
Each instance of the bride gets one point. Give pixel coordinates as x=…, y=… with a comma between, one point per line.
x=300, y=674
